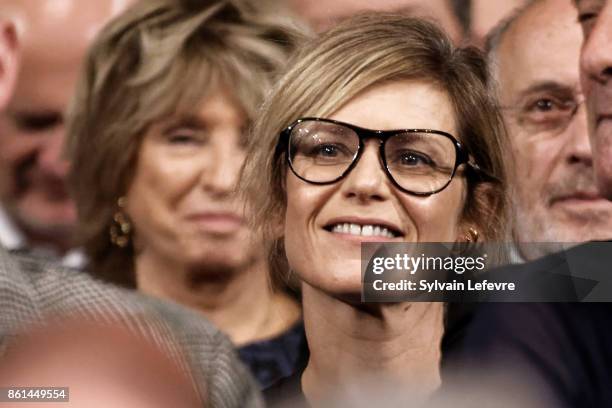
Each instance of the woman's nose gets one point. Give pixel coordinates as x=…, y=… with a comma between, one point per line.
x=367, y=180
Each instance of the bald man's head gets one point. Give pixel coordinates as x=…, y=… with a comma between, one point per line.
x=535, y=59
x=54, y=36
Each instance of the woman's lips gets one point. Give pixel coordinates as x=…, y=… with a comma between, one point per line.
x=361, y=238
x=217, y=222
x=356, y=229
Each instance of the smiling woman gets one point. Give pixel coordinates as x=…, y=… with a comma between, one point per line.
x=380, y=131
x=157, y=136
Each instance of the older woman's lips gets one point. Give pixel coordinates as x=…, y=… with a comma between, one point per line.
x=217, y=222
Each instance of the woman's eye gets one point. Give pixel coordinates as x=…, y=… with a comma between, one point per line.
x=327, y=151
x=414, y=159
x=330, y=151
x=544, y=105
x=185, y=138
x=181, y=139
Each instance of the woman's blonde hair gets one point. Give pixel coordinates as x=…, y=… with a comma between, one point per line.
x=368, y=50
x=159, y=58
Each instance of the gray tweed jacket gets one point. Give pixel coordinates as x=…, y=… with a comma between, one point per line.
x=34, y=290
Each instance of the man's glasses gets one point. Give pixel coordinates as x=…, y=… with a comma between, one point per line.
x=417, y=161
x=545, y=113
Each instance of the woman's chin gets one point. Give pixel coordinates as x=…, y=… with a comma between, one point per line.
x=344, y=283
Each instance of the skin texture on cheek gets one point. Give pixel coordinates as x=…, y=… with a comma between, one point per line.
x=147, y=204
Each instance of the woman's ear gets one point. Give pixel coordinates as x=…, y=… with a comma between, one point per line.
x=8, y=60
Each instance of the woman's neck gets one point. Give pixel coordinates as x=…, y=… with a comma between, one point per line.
x=379, y=345
x=239, y=301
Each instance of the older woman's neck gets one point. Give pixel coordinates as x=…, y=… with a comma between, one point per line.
x=239, y=302
x=381, y=346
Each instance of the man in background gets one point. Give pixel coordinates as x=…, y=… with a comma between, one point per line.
x=466, y=21
x=323, y=14
x=534, y=62
x=564, y=350
x=35, y=208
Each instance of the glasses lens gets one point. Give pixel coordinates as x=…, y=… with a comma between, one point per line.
x=420, y=162
x=321, y=152
x=546, y=113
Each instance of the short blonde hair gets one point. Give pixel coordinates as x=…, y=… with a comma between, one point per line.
x=364, y=51
x=158, y=58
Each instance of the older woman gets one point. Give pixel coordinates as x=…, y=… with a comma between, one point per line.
x=380, y=131
x=157, y=138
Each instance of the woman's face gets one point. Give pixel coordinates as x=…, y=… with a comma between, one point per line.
x=331, y=260
x=181, y=200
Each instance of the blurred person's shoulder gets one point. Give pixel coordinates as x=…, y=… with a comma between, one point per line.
x=18, y=297
x=35, y=290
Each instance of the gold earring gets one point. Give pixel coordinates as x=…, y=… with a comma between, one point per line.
x=120, y=227
x=471, y=235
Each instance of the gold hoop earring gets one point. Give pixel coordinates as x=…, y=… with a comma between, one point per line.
x=471, y=235
x=121, y=227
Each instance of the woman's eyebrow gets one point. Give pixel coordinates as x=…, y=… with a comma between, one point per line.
x=188, y=120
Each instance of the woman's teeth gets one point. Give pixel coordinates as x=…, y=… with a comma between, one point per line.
x=367, y=230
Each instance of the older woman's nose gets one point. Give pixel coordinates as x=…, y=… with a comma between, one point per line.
x=367, y=180
x=220, y=174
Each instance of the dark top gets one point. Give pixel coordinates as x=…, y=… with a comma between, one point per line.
x=563, y=351
x=287, y=391
x=277, y=358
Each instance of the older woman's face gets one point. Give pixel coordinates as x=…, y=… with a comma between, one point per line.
x=181, y=200
x=330, y=260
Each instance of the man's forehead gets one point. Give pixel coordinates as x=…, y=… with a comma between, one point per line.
x=59, y=26
x=543, y=45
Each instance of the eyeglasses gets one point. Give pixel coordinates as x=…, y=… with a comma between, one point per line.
x=417, y=161
x=546, y=113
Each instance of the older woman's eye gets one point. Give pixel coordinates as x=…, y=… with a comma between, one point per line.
x=180, y=139
x=185, y=137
